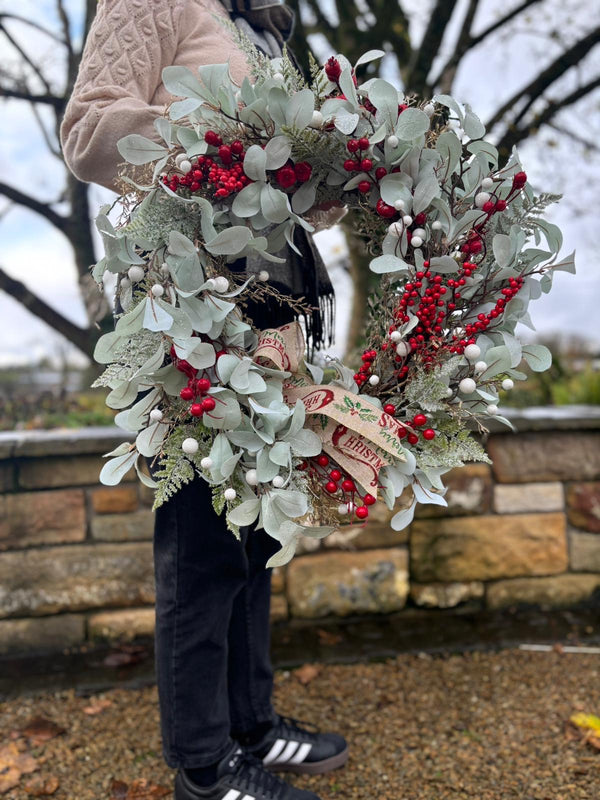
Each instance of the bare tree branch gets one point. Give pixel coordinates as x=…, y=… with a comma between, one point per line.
x=466, y=41
x=32, y=204
x=419, y=70
x=32, y=24
x=546, y=78
x=82, y=338
x=45, y=99
x=576, y=137
x=25, y=56
x=46, y=136
x=514, y=135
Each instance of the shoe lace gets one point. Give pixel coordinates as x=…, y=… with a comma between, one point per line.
x=252, y=776
x=299, y=726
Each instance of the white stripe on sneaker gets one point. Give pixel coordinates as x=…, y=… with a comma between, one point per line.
x=248, y=797
x=232, y=794
x=303, y=751
x=274, y=751
x=289, y=751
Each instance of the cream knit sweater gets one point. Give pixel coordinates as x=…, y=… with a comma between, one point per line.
x=119, y=89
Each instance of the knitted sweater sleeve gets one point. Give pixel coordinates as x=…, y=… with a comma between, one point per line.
x=129, y=43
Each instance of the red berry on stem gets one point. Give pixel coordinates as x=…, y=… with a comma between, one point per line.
x=208, y=403
x=286, y=177
x=419, y=419
x=501, y=205
x=380, y=173
x=389, y=408
x=363, y=143
x=350, y=165
x=352, y=145
x=362, y=512
x=335, y=474
x=225, y=154
x=348, y=485
x=369, y=500
x=303, y=171
x=196, y=409
x=429, y=434
x=333, y=69
x=412, y=438
x=237, y=147
x=187, y=393
x=364, y=186
x=204, y=385
x=366, y=165
x=323, y=460
x=331, y=487
x=211, y=137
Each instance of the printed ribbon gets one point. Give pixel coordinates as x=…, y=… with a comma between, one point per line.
x=359, y=436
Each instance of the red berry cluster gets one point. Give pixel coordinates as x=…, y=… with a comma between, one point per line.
x=428, y=294
x=368, y=357
x=198, y=389
x=342, y=487
x=412, y=436
x=225, y=178
x=290, y=174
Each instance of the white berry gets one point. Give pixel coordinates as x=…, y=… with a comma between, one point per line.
x=136, y=274
x=416, y=241
x=420, y=232
x=158, y=290
x=396, y=229
x=449, y=392
x=481, y=199
x=278, y=481
x=317, y=119
x=374, y=380
x=407, y=219
x=436, y=226
x=429, y=109
x=206, y=462
x=342, y=509
x=230, y=494
x=399, y=205
x=395, y=336
x=125, y=283
x=392, y=141
x=221, y=284
x=156, y=415
x=467, y=386
x=402, y=349
x=508, y=384
x=472, y=352
x=164, y=269
x=185, y=165
x=251, y=477
x=263, y=275
x=487, y=183
x=480, y=367
x=492, y=410
x=278, y=77
x=189, y=446
x=181, y=157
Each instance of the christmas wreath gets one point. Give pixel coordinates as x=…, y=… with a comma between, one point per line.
x=458, y=241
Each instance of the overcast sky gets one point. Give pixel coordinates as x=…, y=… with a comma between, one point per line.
x=38, y=255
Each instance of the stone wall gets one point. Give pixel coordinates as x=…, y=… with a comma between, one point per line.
x=76, y=557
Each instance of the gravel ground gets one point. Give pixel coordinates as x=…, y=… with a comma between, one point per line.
x=481, y=725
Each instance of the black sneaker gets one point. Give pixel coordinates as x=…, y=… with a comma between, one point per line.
x=287, y=747
x=239, y=777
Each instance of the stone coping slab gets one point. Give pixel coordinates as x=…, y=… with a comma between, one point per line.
x=80, y=441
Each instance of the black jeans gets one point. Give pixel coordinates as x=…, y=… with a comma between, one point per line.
x=212, y=628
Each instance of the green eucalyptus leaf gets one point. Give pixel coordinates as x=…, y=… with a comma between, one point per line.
x=411, y=124
x=300, y=109
x=246, y=513
x=117, y=468
x=255, y=163
x=229, y=242
x=138, y=149
x=538, y=357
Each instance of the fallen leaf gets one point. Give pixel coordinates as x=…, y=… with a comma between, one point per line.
x=308, y=673
x=40, y=730
x=138, y=790
x=144, y=790
x=588, y=722
x=97, y=706
x=118, y=790
x=126, y=656
x=328, y=637
x=14, y=762
x=41, y=787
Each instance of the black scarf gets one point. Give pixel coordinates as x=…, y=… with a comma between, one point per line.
x=269, y=24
